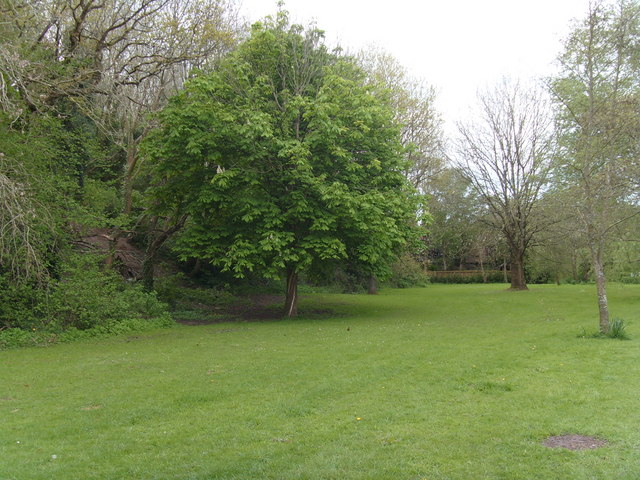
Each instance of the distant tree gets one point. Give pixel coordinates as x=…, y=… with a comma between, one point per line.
x=282, y=158
x=413, y=103
x=454, y=208
x=506, y=155
x=598, y=97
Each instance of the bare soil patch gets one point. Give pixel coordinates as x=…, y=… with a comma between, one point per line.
x=574, y=442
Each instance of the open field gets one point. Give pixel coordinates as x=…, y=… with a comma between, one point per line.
x=445, y=382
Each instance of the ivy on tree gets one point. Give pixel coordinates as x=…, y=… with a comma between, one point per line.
x=283, y=157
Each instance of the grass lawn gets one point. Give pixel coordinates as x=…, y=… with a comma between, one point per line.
x=446, y=382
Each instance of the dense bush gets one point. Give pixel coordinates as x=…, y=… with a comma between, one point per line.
x=629, y=277
x=19, y=303
x=86, y=297
x=407, y=272
x=83, y=299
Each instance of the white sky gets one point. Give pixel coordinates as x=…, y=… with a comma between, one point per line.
x=458, y=46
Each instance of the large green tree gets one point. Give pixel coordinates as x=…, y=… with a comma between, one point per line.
x=283, y=158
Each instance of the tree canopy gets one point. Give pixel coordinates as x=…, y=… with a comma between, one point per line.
x=283, y=158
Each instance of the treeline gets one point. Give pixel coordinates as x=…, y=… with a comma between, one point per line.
x=134, y=131
x=79, y=82
x=138, y=131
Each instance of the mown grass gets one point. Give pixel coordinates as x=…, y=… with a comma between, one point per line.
x=445, y=382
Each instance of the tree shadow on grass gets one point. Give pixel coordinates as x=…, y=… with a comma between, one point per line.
x=253, y=308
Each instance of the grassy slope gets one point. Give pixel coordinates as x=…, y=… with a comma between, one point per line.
x=447, y=382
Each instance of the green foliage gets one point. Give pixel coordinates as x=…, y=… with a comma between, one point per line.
x=86, y=297
x=618, y=329
x=19, y=302
x=349, y=280
x=279, y=170
x=407, y=272
x=17, y=337
x=181, y=294
x=630, y=277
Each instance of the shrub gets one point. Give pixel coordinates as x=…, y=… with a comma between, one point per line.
x=407, y=272
x=16, y=337
x=83, y=299
x=19, y=303
x=630, y=277
x=86, y=297
x=617, y=329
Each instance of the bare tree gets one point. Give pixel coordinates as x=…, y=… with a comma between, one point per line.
x=505, y=154
x=21, y=243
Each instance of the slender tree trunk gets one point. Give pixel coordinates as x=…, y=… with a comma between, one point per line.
x=111, y=255
x=128, y=175
x=504, y=271
x=291, y=299
x=196, y=268
x=373, y=285
x=518, y=281
x=601, y=287
x=484, y=274
x=148, y=271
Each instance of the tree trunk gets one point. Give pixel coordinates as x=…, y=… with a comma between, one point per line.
x=148, y=270
x=156, y=240
x=504, y=271
x=111, y=255
x=484, y=274
x=518, y=281
x=601, y=287
x=291, y=299
x=128, y=175
x=373, y=285
x=196, y=268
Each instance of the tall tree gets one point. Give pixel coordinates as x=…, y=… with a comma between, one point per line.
x=506, y=156
x=413, y=102
x=283, y=158
x=455, y=209
x=108, y=63
x=597, y=96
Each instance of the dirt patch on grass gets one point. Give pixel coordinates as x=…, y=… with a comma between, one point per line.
x=574, y=442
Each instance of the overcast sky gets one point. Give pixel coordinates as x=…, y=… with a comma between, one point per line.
x=458, y=46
